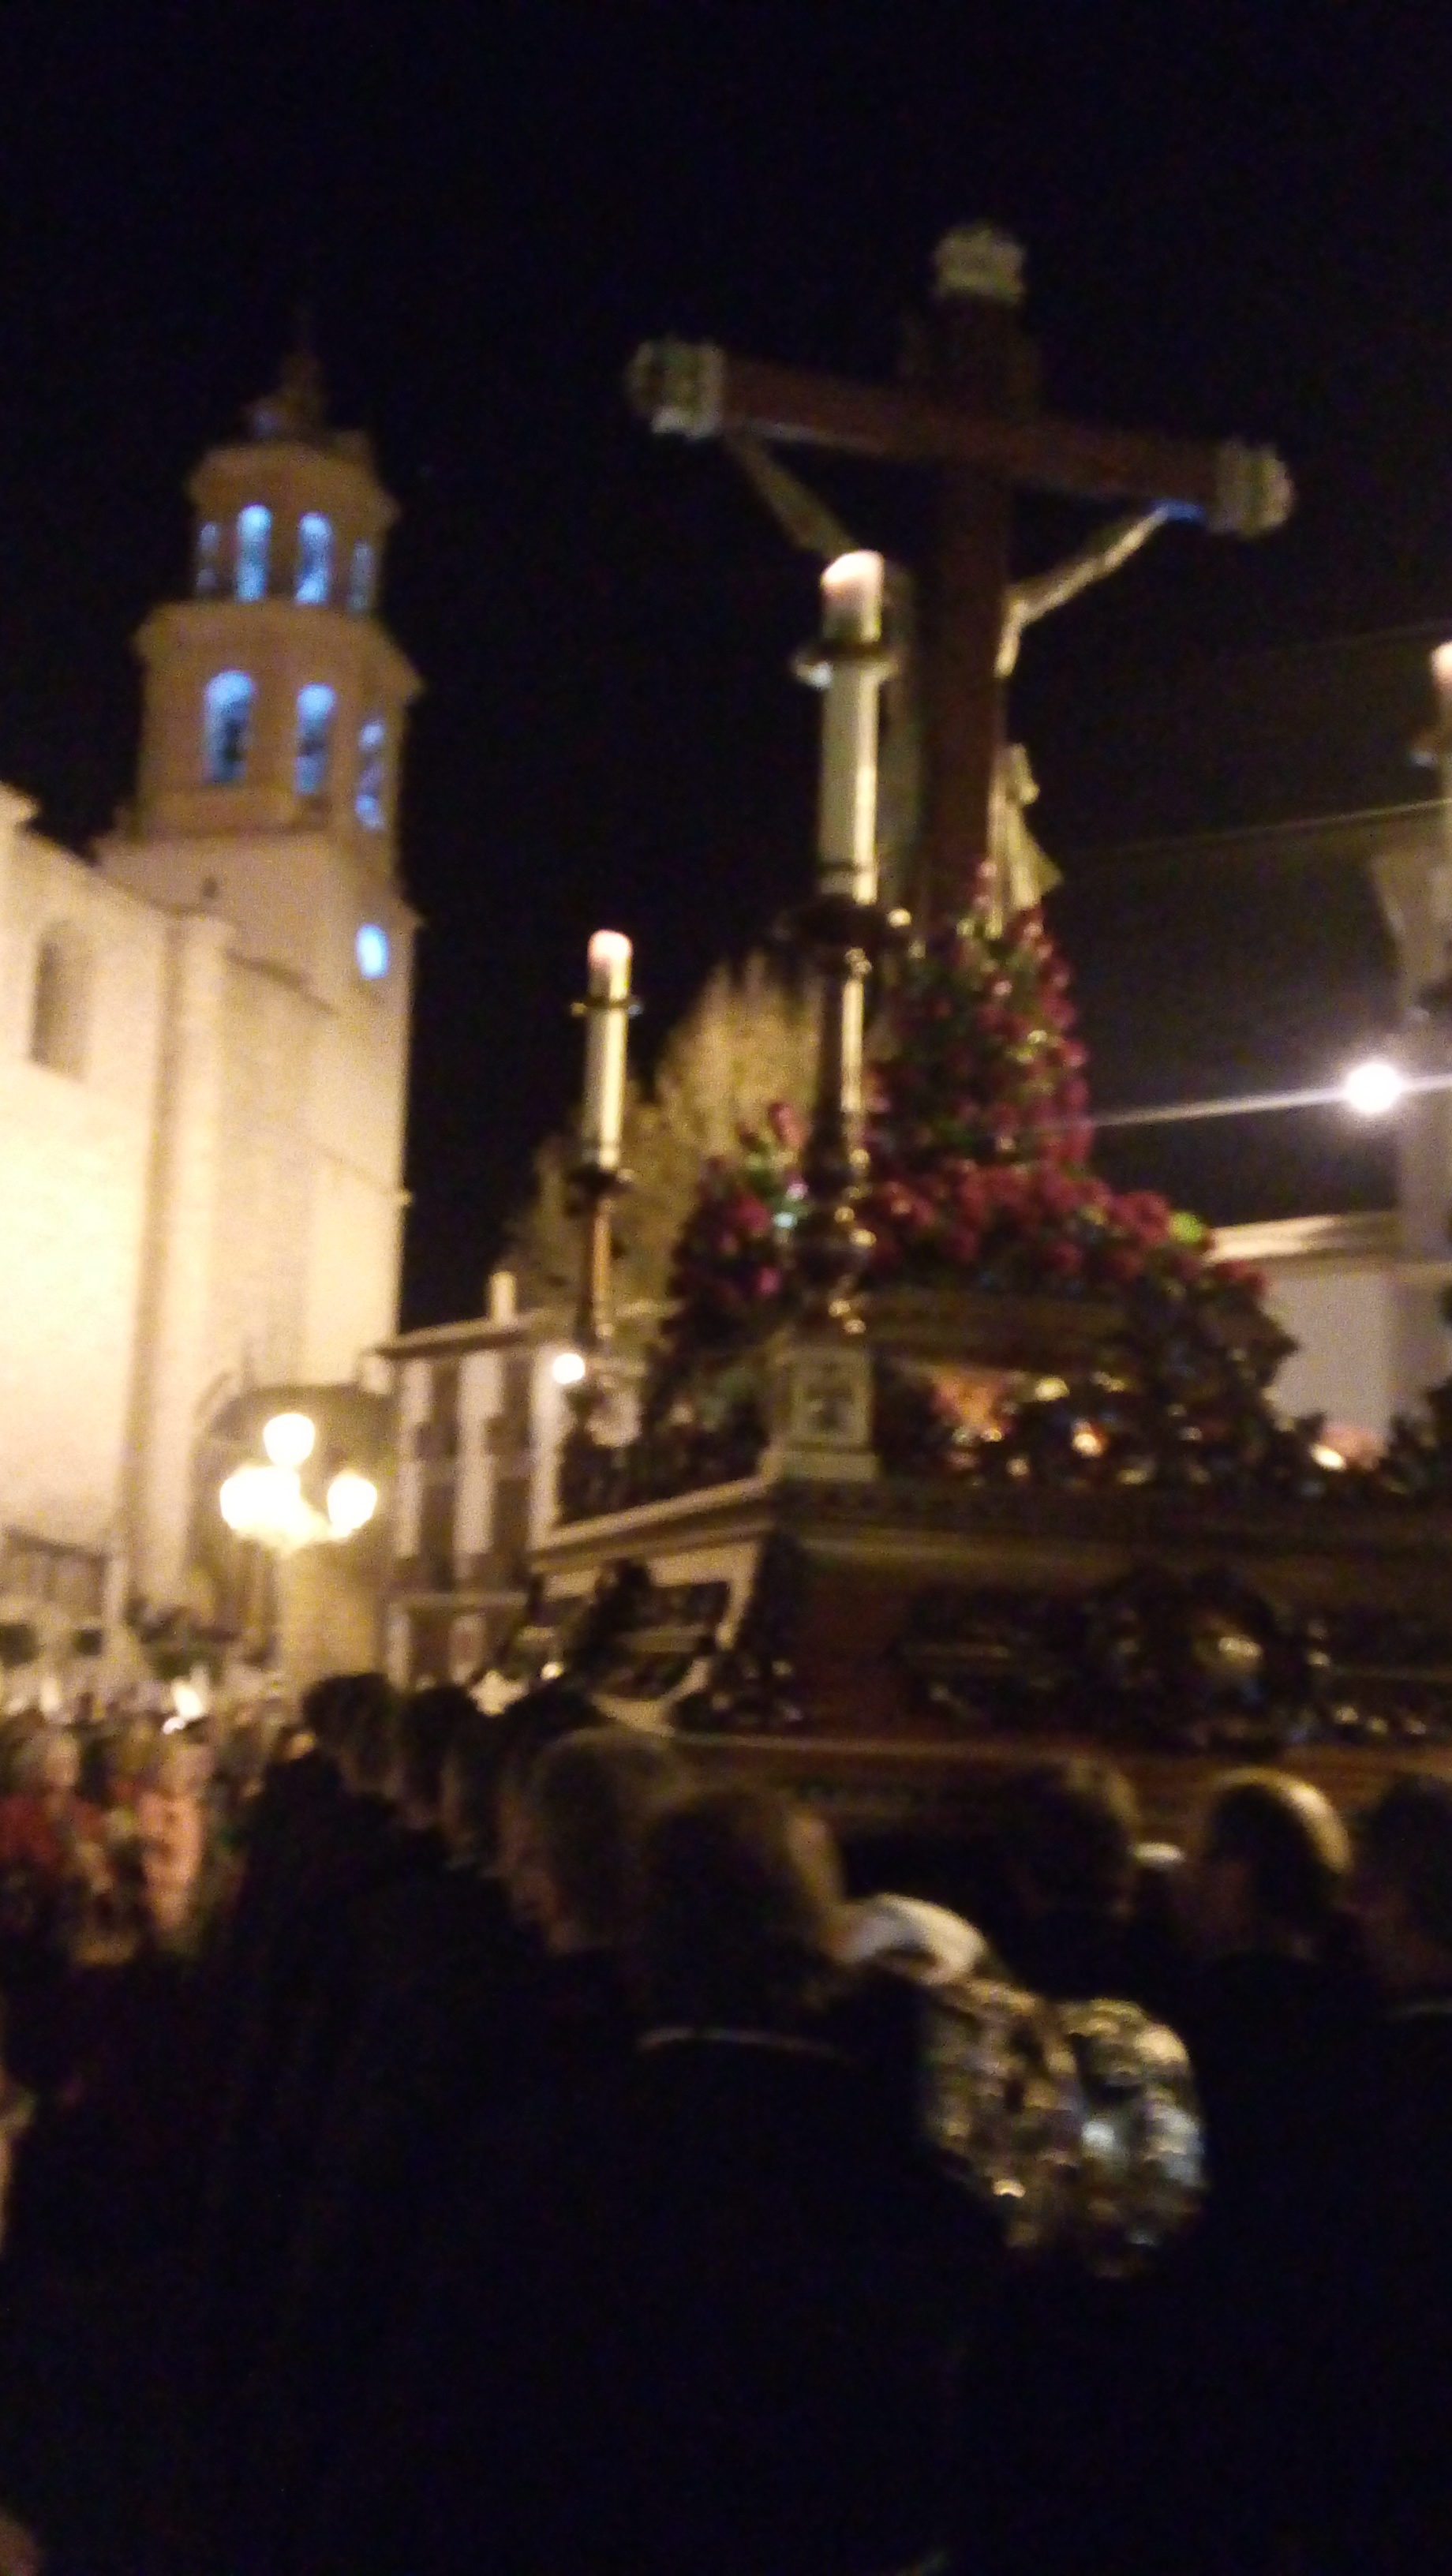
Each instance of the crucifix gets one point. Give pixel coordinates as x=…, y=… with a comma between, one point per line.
x=965, y=408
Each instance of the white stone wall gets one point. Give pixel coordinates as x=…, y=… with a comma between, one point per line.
x=1345, y=1322
x=262, y=1219
x=75, y=1170
x=320, y=1081
x=1340, y=1286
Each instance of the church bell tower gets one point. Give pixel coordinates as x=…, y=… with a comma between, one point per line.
x=274, y=698
x=263, y=825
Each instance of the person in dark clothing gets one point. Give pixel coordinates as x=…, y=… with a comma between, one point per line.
x=293, y=1995
x=1068, y=2405
x=456, y=2027
x=1271, y=2021
x=794, y=2275
x=100, y=2216
x=421, y=2467
x=1066, y=1834
x=295, y=1805
x=1388, y=2454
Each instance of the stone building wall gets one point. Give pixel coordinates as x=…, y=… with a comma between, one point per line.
x=75, y=1172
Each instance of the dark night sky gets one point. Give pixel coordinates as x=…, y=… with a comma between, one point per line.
x=1238, y=217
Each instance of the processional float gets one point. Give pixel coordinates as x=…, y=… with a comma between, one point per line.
x=950, y=1455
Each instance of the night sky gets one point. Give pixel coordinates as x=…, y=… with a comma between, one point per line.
x=1238, y=219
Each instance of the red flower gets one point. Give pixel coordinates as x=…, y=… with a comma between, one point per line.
x=1065, y=1258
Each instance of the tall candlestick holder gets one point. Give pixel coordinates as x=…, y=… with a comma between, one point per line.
x=842, y=939
x=595, y=1191
x=591, y=1390
x=596, y=1182
x=842, y=931
x=598, y=1177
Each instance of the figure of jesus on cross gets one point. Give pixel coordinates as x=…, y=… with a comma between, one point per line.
x=966, y=408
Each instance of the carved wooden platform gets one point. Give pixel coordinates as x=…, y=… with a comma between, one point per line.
x=889, y=1646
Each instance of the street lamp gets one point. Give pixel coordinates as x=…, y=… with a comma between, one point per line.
x=1374, y=1087
x=352, y=1501
x=289, y=1439
x=267, y=1503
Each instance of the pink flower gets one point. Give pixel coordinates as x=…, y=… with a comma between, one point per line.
x=1059, y=1194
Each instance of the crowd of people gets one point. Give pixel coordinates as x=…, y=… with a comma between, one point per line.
x=437, y=2143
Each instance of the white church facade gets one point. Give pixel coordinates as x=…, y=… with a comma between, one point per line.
x=204, y=1039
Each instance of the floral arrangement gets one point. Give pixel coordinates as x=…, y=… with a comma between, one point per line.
x=977, y=1140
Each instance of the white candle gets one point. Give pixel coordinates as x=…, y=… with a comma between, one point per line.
x=852, y=588
x=607, y=1022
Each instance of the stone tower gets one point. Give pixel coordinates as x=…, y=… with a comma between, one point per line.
x=264, y=827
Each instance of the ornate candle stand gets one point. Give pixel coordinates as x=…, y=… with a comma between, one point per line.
x=595, y=1191
x=596, y=1181
x=842, y=940
x=842, y=931
x=607, y=1011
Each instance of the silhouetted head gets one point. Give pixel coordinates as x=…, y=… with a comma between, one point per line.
x=740, y=1899
x=526, y=1730
x=1401, y=1889
x=366, y=1719
x=1067, y=1833
x=426, y=1725
x=1268, y=1867
x=586, y=1806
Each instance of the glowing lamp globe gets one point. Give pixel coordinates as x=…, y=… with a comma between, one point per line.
x=288, y=1439
x=243, y=1499
x=567, y=1368
x=352, y=1502
x=1373, y=1088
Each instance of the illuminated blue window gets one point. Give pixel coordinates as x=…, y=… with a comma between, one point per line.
x=254, y=530
x=228, y=724
x=314, y=727
x=372, y=756
x=371, y=950
x=314, y=559
x=208, y=541
x=360, y=578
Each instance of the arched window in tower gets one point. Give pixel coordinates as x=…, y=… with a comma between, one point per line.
x=208, y=544
x=372, y=760
x=314, y=559
x=254, y=530
x=60, y=1005
x=314, y=727
x=228, y=726
x=361, y=577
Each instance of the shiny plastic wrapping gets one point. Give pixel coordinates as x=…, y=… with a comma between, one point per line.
x=1077, y=2121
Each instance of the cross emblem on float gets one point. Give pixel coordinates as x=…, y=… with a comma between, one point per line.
x=966, y=409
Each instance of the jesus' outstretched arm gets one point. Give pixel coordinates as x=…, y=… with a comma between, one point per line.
x=1028, y=600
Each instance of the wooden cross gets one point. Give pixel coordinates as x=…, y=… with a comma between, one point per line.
x=966, y=408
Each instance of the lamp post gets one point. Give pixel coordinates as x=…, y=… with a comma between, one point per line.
x=265, y=1501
